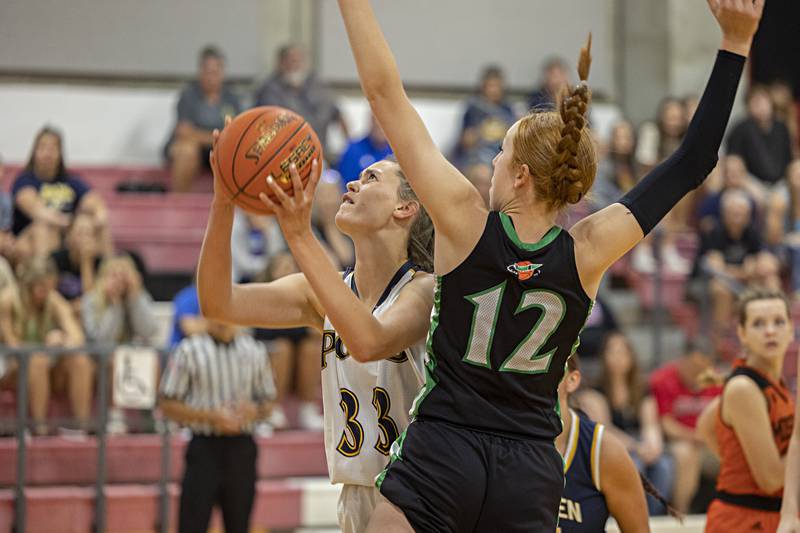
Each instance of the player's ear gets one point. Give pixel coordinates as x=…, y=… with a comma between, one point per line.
x=573, y=381
x=406, y=209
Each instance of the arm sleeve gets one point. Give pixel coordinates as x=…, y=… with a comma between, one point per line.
x=101, y=326
x=658, y=192
x=142, y=319
x=185, y=110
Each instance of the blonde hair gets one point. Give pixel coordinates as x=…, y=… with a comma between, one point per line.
x=32, y=271
x=557, y=147
x=106, y=268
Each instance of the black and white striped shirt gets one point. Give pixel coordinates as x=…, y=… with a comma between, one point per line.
x=207, y=374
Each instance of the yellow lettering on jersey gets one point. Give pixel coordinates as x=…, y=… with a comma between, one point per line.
x=570, y=510
x=57, y=195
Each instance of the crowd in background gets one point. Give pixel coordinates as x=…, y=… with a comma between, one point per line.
x=63, y=284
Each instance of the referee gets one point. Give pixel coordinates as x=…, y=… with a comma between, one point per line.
x=218, y=384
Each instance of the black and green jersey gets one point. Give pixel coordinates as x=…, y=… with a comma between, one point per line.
x=503, y=325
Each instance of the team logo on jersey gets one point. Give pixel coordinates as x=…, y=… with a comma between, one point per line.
x=524, y=269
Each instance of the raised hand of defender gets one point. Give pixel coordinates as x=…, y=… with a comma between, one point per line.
x=293, y=212
x=738, y=20
x=220, y=195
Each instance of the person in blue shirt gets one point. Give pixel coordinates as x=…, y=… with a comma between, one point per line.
x=46, y=196
x=186, y=318
x=362, y=153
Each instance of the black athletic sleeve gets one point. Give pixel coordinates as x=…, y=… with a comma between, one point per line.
x=661, y=189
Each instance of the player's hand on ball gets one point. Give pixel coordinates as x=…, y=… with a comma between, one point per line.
x=738, y=20
x=293, y=212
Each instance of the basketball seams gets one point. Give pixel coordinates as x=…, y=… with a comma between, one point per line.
x=236, y=152
x=267, y=162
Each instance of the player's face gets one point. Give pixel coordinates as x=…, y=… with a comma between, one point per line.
x=505, y=169
x=767, y=331
x=371, y=200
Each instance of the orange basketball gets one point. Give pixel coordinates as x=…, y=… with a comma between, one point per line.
x=263, y=141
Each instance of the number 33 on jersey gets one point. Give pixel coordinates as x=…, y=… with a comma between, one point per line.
x=366, y=405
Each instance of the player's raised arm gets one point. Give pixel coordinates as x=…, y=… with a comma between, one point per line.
x=447, y=195
x=286, y=302
x=606, y=236
x=367, y=337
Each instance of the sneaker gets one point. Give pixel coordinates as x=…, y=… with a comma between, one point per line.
x=115, y=425
x=277, y=418
x=309, y=417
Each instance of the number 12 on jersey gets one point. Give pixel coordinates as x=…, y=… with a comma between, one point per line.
x=353, y=435
x=526, y=357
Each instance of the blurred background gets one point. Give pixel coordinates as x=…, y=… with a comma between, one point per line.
x=106, y=110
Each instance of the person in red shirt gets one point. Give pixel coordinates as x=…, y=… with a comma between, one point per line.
x=751, y=424
x=681, y=398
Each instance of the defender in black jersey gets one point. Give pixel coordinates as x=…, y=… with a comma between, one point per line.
x=514, y=291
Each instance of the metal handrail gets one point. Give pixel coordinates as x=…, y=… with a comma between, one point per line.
x=101, y=352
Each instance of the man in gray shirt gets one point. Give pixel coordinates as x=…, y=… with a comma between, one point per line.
x=295, y=87
x=202, y=107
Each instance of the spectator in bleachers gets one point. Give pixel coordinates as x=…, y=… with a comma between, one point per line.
x=734, y=177
x=218, y=384
x=202, y=107
x=36, y=314
x=680, y=399
x=783, y=222
x=555, y=75
x=327, y=200
x=295, y=358
x=118, y=310
x=487, y=117
x=618, y=171
x=782, y=96
x=361, y=153
x=8, y=248
x=761, y=139
x=254, y=239
x=77, y=262
x=657, y=140
x=690, y=103
x=480, y=175
x=294, y=86
x=600, y=323
x=624, y=405
x=731, y=256
x=46, y=195
x=186, y=318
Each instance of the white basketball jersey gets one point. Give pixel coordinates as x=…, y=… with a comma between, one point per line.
x=367, y=404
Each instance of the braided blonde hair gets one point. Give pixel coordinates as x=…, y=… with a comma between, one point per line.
x=557, y=147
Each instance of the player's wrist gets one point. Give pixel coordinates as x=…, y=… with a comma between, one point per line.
x=736, y=45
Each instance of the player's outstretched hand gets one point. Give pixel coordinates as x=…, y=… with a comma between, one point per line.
x=738, y=20
x=219, y=190
x=293, y=212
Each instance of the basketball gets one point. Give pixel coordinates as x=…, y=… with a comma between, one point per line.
x=259, y=142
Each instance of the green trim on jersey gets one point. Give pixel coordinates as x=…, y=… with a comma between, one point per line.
x=548, y=237
x=430, y=363
x=483, y=359
x=396, y=454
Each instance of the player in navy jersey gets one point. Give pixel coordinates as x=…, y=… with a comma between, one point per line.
x=601, y=478
x=513, y=290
